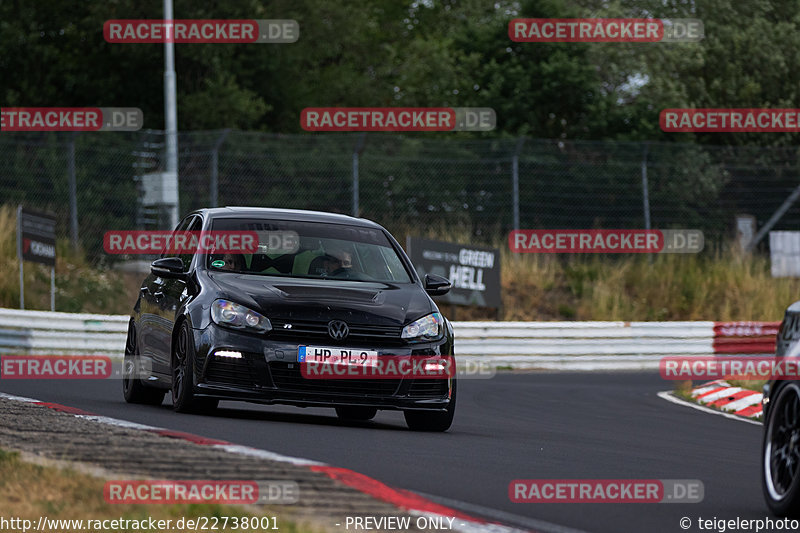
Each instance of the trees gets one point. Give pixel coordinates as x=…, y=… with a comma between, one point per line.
x=438, y=53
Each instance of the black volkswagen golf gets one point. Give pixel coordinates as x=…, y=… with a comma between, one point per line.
x=215, y=326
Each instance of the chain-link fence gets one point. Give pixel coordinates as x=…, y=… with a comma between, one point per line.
x=95, y=182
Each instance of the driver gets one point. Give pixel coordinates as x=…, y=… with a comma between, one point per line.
x=230, y=261
x=337, y=261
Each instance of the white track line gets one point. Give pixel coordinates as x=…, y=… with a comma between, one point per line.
x=667, y=395
x=534, y=524
x=18, y=398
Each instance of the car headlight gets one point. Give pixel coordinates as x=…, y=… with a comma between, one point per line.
x=232, y=315
x=427, y=328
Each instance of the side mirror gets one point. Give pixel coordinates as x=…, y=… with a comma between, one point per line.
x=436, y=285
x=168, y=267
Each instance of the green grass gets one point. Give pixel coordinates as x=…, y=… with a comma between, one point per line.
x=29, y=491
x=751, y=384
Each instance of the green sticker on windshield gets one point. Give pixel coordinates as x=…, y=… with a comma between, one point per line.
x=219, y=263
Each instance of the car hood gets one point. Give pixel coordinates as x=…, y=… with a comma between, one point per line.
x=355, y=302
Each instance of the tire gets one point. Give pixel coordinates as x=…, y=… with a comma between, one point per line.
x=356, y=413
x=133, y=389
x=432, y=420
x=780, y=458
x=183, y=398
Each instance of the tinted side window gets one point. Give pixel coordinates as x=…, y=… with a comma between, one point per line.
x=182, y=226
x=195, y=225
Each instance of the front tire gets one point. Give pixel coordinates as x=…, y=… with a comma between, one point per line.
x=780, y=459
x=183, y=398
x=435, y=420
x=133, y=389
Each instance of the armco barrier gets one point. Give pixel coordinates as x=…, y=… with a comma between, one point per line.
x=43, y=332
x=745, y=337
x=40, y=332
x=614, y=338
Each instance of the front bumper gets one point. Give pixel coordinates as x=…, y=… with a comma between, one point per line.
x=269, y=373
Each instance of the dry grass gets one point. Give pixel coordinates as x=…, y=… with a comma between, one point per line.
x=721, y=285
x=29, y=491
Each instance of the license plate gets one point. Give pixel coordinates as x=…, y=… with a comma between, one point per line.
x=336, y=356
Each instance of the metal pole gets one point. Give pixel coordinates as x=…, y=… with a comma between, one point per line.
x=359, y=146
x=515, y=180
x=73, y=193
x=53, y=288
x=214, y=184
x=355, y=184
x=19, y=254
x=171, y=119
x=213, y=193
x=645, y=190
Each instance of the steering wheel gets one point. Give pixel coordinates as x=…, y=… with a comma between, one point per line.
x=341, y=272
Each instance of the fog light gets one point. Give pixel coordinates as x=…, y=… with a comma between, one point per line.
x=229, y=354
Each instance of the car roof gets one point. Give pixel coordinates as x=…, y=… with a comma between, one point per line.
x=286, y=214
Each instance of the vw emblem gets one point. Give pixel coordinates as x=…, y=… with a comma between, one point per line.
x=338, y=330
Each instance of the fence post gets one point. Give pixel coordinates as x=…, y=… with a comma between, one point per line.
x=356, y=151
x=21, y=262
x=515, y=180
x=776, y=216
x=213, y=194
x=645, y=189
x=73, y=192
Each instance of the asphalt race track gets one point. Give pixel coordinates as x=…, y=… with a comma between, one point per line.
x=514, y=426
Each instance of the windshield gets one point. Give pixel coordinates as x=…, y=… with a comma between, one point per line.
x=311, y=250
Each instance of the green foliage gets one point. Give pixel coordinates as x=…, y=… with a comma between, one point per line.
x=438, y=53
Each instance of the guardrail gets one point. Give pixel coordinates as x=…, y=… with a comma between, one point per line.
x=41, y=332
x=614, y=338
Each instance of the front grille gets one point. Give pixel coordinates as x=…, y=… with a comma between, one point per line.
x=290, y=379
x=428, y=388
x=304, y=330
